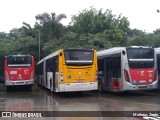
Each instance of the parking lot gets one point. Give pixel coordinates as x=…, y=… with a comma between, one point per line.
x=87, y=105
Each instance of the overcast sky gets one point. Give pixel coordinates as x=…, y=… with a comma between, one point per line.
x=140, y=13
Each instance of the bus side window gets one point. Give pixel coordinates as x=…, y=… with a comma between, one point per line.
x=51, y=64
x=56, y=64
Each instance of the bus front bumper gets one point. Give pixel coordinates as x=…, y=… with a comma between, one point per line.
x=151, y=86
x=20, y=82
x=67, y=87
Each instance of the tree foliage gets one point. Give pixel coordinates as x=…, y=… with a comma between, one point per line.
x=90, y=28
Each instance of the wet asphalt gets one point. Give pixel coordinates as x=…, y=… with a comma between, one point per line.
x=42, y=100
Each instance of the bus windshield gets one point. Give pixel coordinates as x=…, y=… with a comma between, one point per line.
x=79, y=57
x=140, y=57
x=19, y=61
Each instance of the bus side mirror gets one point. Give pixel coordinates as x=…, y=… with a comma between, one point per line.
x=123, y=52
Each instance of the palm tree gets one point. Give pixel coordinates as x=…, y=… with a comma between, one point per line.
x=58, y=18
x=50, y=24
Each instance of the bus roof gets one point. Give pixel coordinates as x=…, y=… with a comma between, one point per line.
x=77, y=49
x=116, y=50
x=52, y=55
x=40, y=61
x=57, y=52
x=18, y=55
x=139, y=47
x=109, y=51
x=49, y=56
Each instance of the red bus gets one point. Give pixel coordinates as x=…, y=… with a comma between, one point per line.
x=19, y=70
x=127, y=68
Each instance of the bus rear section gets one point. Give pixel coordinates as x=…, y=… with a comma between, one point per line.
x=78, y=71
x=19, y=70
x=140, y=70
x=127, y=68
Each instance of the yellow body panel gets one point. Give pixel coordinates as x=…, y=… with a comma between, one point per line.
x=77, y=74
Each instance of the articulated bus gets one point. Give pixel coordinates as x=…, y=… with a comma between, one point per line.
x=19, y=70
x=69, y=70
x=127, y=68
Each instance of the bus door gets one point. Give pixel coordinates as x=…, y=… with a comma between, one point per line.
x=49, y=76
x=55, y=73
x=113, y=71
x=116, y=71
x=108, y=72
x=53, y=83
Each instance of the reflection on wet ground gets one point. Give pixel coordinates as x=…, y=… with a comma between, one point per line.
x=40, y=99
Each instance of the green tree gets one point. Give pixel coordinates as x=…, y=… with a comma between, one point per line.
x=97, y=22
x=50, y=25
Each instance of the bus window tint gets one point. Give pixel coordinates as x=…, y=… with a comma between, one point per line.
x=78, y=57
x=138, y=53
x=140, y=58
x=16, y=61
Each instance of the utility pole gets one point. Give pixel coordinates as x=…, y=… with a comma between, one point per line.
x=39, y=44
x=39, y=41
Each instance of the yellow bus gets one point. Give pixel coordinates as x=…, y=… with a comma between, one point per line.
x=69, y=70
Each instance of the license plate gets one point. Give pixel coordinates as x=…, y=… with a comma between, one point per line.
x=79, y=80
x=19, y=78
x=13, y=72
x=142, y=86
x=142, y=81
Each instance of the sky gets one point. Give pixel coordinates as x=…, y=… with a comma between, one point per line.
x=141, y=14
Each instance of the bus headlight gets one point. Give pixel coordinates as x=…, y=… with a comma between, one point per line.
x=61, y=78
